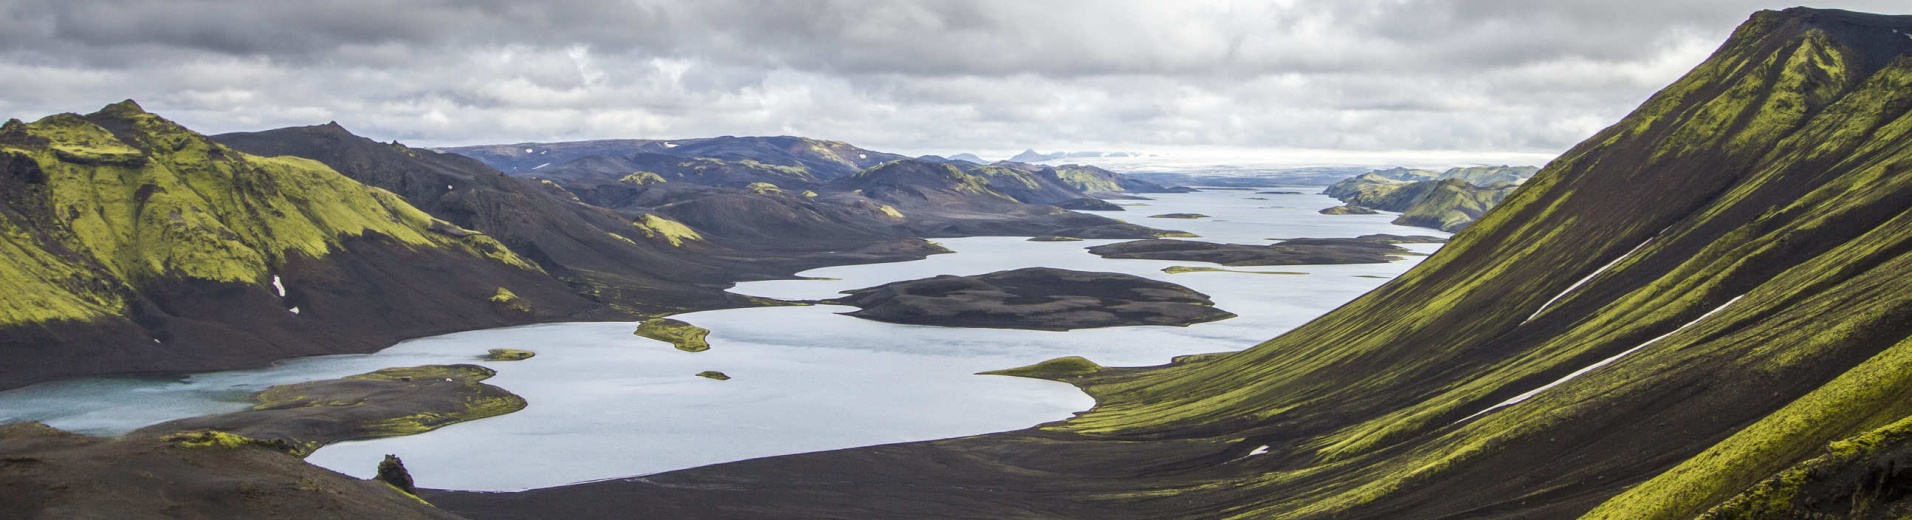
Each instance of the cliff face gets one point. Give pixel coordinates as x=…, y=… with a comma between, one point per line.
x=133, y=244
x=1707, y=305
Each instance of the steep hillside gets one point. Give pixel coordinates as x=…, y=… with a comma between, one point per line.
x=597, y=251
x=1703, y=306
x=133, y=244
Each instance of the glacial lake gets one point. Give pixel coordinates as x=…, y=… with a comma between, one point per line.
x=606, y=404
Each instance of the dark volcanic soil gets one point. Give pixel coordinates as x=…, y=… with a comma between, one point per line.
x=1366, y=249
x=385, y=403
x=1037, y=298
x=244, y=464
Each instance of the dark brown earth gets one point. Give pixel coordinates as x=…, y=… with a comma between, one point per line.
x=1366, y=249
x=1037, y=298
x=244, y=464
x=389, y=402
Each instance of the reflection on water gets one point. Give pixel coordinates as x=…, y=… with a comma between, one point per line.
x=607, y=404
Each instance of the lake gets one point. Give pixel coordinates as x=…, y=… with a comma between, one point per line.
x=607, y=404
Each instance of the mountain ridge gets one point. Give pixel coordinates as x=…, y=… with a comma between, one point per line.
x=1688, y=305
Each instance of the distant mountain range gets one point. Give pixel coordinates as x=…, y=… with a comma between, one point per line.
x=1032, y=156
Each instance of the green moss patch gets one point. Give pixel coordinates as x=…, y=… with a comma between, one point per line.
x=1058, y=368
x=508, y=354
x=684, y=336
x=713, y=374
x=670, y=231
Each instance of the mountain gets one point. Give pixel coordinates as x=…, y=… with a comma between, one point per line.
x=1705, y=309
x=715, y=161
x=939, y=200
x=1476, y=175
x=1103, y=183
x=968, y=157
x=1449, y=200
x=132, y=244
x=1032, y=156
x=1251, y=178
x=597, y=251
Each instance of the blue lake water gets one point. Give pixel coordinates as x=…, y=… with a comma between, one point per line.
x=607, y=404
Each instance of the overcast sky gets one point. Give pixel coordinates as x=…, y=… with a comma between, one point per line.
x=1480, y=80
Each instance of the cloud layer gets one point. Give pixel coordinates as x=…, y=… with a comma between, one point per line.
x=925, y=76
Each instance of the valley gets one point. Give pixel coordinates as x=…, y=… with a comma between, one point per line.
x=1698, y=311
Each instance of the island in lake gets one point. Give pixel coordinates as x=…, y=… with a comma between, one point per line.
x=1038, y=298
x=1365, y=249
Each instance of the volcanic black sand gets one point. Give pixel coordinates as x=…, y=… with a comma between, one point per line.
x=1366, y=249
x=1036, y=298
x=245, y=464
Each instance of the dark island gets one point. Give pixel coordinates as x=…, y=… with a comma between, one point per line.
x=1036, y=298
x=1365, y=249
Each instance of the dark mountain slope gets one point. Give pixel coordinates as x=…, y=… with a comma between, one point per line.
x=822, y=159
x=941, y=200
x=596, y=250
x=132, y=244
x=1692, y=305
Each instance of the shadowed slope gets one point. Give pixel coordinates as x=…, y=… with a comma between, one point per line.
x=131, y=244
x=1688, y=303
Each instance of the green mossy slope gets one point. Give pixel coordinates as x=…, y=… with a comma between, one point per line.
x=149, y=199
x=130, y=244
x=1771, y=177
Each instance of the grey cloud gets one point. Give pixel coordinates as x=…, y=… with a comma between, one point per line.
x=914, y=76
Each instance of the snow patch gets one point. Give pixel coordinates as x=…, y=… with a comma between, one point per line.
x=280, y=287
x=1604, y=362
x=1258, y=451
x=863, y=156
x=448, y=187
x=527, y=150
x=670, y=145
x=295, y=310
x=1583, y=281
x=540, y=166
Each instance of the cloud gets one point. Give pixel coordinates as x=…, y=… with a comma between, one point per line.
x=924, y=76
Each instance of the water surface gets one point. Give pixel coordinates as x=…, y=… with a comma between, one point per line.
x=607, y=404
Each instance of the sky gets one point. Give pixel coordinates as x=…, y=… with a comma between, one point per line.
x=1288, y=81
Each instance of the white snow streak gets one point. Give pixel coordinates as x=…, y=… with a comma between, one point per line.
x=1604, y=362
x=278, y=286
x=1583, y=281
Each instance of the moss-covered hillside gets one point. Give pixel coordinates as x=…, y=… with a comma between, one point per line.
x=1707, y=305
x=1442, y=200
x=129, y=243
